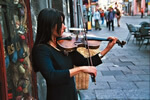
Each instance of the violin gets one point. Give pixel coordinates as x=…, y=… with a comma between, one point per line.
x=69, y=42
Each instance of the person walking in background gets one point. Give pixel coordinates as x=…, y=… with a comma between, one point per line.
x=111, y=16
x=146, y=11
x=102, y=16
x=142, y=12
x=97, y=19
x=106, y=16
x=85, y=15
x=118, y=16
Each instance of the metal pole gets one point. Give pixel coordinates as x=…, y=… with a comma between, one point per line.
x=49, y=3
x=75, y=14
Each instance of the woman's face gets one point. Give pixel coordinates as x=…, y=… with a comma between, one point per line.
x=63, y=27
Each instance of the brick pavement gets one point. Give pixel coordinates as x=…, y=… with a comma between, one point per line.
x=125, y=72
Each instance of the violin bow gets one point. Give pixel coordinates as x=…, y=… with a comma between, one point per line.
x=87, y=45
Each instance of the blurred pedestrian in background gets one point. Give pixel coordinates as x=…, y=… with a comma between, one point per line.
x=106, y=16
x=102, y=16
x=146, y=11
x=97, y=19
x=142, y=12
x=85, y=15
x=118, y=16
x=111, y=16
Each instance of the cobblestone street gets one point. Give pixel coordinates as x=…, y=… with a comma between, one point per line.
x=125, y=72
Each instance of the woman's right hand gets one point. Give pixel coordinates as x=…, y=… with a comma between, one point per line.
x=89, y=69
x=86, y=69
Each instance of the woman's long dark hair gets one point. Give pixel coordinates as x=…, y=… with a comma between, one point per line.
x=48, y=18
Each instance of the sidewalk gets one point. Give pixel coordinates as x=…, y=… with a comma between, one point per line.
x=125, y=72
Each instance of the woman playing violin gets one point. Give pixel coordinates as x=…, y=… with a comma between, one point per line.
x=56, y=67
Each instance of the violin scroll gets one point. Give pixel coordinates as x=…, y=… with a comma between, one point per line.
x=120, y=43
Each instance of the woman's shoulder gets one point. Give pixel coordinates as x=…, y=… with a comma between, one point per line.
x=41, y=47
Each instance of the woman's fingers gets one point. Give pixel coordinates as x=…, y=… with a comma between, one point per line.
x=90, y=70
x=94, y=71
x=113, y=42
x=114, y=39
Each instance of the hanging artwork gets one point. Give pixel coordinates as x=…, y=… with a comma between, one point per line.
x=16, y=50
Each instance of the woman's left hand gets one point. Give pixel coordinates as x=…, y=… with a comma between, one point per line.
x=110, y=45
